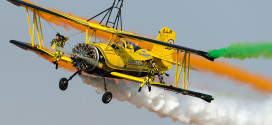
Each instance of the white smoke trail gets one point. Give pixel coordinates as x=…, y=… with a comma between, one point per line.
x=186, y=109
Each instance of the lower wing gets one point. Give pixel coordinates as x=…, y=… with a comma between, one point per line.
x=27, y=46
x=205, y=97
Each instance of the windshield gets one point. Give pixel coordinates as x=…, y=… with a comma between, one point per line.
x=136, y=47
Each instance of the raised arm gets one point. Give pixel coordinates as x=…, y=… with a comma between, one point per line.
x=65, y=38
x=53, y=41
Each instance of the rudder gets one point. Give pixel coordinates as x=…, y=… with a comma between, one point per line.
x=165, y=35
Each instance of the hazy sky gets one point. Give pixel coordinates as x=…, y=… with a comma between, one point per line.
x=29, y=92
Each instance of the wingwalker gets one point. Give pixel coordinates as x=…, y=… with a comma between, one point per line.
x=59, y=42
x=152, y=70
x=119, y=57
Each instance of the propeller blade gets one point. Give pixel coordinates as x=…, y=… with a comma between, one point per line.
x=89, y=60
x=61, y=49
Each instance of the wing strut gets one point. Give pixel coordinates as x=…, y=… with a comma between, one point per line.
x=36, y=24
x=185, y=65
x=87, y=36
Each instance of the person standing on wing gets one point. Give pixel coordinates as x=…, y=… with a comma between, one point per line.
x=59, y=42
x=151, y=75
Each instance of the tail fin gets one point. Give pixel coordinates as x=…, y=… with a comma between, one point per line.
x=165, y=35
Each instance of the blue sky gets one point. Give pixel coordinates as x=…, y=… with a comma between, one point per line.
x=29, y=90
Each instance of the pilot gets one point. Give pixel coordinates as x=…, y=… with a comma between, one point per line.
x=151, y=75
x=59, y=42
x=129, y=45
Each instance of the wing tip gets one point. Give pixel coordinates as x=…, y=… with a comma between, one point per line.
x=14, y=2
x=209, y=58
x=205, y=97
x=204, y=54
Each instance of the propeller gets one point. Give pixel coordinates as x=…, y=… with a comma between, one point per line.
x=88, y=60
x=61, y=49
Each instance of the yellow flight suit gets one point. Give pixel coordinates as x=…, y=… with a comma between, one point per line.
x=150, y=76
x=59, y=43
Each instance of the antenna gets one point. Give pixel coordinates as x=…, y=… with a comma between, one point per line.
x=117, y=4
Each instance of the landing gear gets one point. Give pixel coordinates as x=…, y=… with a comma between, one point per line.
x=107, y=96
x=63, y=83
x=56, y=63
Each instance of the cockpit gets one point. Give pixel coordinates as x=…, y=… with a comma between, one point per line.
x=127, y=44
x=131, y=45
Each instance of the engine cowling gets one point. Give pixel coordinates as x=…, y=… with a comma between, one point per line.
x=85, y=50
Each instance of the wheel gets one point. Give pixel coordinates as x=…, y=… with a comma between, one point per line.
x=63, y=84
x=107, y=96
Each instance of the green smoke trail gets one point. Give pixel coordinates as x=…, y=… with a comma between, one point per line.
x=243, y=50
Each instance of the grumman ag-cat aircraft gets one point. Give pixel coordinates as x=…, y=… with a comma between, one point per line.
x=118, y=57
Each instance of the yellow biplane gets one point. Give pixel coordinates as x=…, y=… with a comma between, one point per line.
x=118, y=57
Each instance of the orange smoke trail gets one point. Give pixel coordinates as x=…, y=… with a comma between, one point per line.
x=28, y=1
x=67, y=24
x=234, y=73
x=65, y=65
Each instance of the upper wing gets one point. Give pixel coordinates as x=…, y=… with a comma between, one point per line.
x=179, y=48
x=95, y=26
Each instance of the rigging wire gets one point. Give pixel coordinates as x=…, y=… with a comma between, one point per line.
x=69, y=45
x=67, y=36
x=72, y=36
x=57, y=31
x=51, y=26
x=75, y=34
